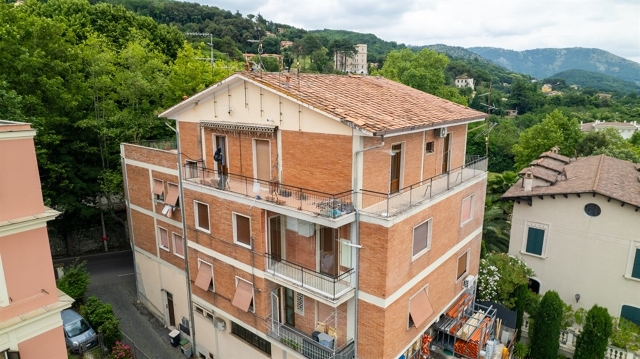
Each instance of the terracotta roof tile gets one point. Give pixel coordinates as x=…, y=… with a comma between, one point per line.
x=374, y=104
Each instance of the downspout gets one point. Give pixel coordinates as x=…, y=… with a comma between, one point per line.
x=357, y=245
x=184, y=238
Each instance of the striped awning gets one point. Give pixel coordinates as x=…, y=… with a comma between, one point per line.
x=226, y=126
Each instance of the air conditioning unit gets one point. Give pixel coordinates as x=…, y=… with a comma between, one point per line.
x=441, y=132
x=219, y=323
x=469, y=282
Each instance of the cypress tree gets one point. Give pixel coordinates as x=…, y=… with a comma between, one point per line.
x=592, y=342
x=546, y=331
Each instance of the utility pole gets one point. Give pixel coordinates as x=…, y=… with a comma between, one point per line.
x=486, y=140
x=211, y=58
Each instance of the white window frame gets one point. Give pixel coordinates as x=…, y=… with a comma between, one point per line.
x=173, y=238
x=426, y=289
x=473, y=202
x=255, y=155
x=466, y=268
x=235, y=230
x=429, y=238
x=155, y=196
x=525, y=238
x=299, y=309
x=630, y=261
x=213, y=282
x=252, y=308
x=197, y=217
x=160, y=239
x=204, y=313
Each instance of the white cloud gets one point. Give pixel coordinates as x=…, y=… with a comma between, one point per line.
x=611, y=25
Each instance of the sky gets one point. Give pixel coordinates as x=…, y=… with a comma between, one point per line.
x=611, y=25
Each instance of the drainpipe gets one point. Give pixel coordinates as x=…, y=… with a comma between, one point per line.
x=357, y=245
x=184, y=238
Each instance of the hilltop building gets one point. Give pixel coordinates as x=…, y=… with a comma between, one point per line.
x=311, y=216
x=626, y=129
x=357, y=64
x=464, y=81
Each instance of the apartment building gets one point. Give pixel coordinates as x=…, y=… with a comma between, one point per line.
x=356, y=64
x=30, y=303
x=324, y=216
x=575, y=223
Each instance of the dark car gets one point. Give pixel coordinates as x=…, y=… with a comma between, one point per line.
x=77, y=332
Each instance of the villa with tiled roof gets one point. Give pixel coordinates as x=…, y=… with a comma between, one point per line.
x=576, y=223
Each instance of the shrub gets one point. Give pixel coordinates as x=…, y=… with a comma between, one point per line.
x=121, y=351
x=75, y=280
x=625, y=334
x=545, y=332
x=592, y=342
x=101, y=317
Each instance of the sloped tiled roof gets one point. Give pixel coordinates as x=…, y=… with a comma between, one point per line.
x=607, y=176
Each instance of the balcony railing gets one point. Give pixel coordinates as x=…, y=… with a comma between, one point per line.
x=303, y=199
x=330, y=287
x=390, y=204
x=166, y=145
x=305, y=345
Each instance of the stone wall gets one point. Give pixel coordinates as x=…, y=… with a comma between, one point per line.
x=88, y=239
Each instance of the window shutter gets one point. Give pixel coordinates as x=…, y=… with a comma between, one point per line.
x=203, y=216
x=635, y=273
x=535, y=241
x=420, y=237
x=243, y=229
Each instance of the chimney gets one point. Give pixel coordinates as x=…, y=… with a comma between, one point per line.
x=555, y=149
x=527, y=182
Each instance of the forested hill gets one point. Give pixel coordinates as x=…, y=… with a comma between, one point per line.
x=594, y=80
x=543, y=63
x=377, y=49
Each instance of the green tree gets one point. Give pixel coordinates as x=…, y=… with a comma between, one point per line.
x=499, y=276
x=101, y=317
x=423, y=71
x=554, y=130
x=608, y=142
x=75, y=280
x=594, y=338
x=545, y=332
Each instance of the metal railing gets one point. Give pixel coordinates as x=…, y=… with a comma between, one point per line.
x=306, y=345
x=332, y=287
x=167, y=145
x=303, y=199
x=390, y=204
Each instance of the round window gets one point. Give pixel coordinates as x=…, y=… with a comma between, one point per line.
x=592, y=209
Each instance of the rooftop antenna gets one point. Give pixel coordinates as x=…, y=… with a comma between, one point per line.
x=211, y=58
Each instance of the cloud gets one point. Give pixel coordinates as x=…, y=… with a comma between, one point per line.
x=611, y=25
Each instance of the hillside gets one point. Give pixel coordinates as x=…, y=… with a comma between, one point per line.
x=377, y=49
x=452, y=52
x=596, y=81
x=542, y=63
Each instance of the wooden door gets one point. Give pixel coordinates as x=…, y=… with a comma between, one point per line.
x=222, y=167
x=289, y=307
x=263, y=160
x=275, y=236
x=446, y=153
x=396, y=163
x=329, y=256
x=172, y=319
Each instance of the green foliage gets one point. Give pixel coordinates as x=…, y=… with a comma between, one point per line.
x=520, y=350
x=548, y=321
x=101, y=317
x=579, y=316
x=499, y=276
x=594, y=338
x=423, y=71
x=497, y=213
x=626, y=334
x=75, y=280
x=598, y=81
x=555, y=130
x=568, y=316
x=608, y=142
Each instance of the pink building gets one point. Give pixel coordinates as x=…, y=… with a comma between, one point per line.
x=30, y=303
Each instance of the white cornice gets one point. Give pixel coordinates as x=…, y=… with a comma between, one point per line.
x=19, y=134
x=24, y=224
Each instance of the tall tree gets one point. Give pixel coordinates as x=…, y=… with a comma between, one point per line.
x=547, y=325
x=594, y=338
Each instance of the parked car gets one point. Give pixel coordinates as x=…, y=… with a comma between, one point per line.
x=78, y=334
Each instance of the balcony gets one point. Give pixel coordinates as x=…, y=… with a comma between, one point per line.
x=306, y=345
x=302, y=199
x=390, y=204
x=332, y=288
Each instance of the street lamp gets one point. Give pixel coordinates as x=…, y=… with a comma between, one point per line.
x=211, y=58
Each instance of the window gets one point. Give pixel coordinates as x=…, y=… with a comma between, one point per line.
x=635, y=268
x=421, y=238
x=173, y=194
x=204, y=280
x=463, y=263
x=419, y=308
x=592, y=209
x=243, y=298
x=202, y=216
x=203, y=312
x=163, y=235
x=535, y=241
x=299, y=303
x=242, y=230
x=10, y=354
x=631, y=314
x=178, y=245
x=158, y=190
x=429, y=147
x=467, y=210
x=251, y=338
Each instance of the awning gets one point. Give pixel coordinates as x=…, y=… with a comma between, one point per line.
x=235, y=127
x=172, y=196
x=158, y=187
x=204, y=276
x=420, y=308
x=244, y=295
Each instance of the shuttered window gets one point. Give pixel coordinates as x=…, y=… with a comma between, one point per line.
x=631, y=314
x=535, y=241
x=202, y=216
x=635, y=272
x=462, y=265
x=242, y=230
x=421, y=237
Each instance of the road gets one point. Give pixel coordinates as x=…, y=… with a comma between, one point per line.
x=112, y=278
